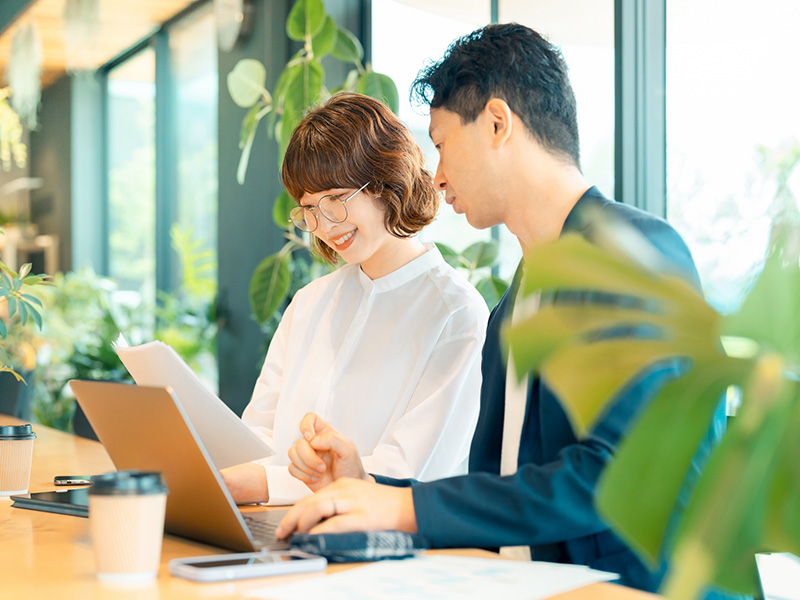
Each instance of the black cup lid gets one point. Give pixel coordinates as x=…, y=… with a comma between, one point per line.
x=128, y=483
x=16, y=432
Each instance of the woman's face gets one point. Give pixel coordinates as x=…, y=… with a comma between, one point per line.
x=362, y=237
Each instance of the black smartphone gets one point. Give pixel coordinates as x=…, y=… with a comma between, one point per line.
x=72, y=480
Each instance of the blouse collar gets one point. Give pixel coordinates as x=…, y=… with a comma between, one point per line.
x=423, y=263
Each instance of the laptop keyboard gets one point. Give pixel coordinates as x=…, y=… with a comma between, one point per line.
x=261, y=529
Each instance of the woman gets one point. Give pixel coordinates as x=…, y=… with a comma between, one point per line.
x=386, y=348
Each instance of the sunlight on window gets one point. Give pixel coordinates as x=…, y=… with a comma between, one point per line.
x=733, y=135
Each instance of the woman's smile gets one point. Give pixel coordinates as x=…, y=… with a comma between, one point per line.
x=344, y=241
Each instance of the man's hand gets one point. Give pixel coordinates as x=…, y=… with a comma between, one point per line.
x=351, y=505
x=247, y=483
x=323, y=455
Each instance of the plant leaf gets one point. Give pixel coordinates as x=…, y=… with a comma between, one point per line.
x=488, y=291
x=778, y=288
x=269, y=286
x=249, y=127
x=381, y=87
x=640, y=488
x=246, y=83
x=305, y=19
x=729, y=504
x=281, y=208
x=325, y=39
x=3, y=330
x=347, y=47
x=480, y=255
x=449, y=255
x=585, y=398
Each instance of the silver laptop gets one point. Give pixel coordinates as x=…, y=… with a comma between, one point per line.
x=146, y=428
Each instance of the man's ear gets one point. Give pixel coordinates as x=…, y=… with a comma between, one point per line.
x=499, y=116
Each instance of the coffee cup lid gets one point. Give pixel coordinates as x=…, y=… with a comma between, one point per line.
x=128, y=483
x=16, y=432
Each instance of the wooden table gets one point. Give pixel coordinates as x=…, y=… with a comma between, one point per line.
x=47, y=556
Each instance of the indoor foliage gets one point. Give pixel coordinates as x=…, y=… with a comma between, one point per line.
x=17, y=308
x=747, y=496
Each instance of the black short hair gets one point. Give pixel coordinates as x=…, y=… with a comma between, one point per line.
x=514, y=63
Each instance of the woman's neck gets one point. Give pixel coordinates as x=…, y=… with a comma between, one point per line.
x=393, y=256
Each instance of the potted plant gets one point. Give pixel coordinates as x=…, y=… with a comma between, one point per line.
x=746, y=499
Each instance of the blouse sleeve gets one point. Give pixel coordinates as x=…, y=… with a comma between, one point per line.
x=432, y=438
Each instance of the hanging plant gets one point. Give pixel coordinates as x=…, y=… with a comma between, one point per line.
x=24, y=73
x=12, y=148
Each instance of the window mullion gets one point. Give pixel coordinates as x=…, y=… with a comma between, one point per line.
x=640, y=120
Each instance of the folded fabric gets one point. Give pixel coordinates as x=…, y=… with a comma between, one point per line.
x=360, y=546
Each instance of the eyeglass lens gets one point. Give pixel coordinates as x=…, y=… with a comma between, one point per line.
x=331, y=207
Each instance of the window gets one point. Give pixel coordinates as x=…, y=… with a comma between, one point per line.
x=162, y=186
x=733, y=135
x=131, y=177
x=583, y=29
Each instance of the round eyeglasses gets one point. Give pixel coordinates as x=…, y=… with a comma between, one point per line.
x=333, y=208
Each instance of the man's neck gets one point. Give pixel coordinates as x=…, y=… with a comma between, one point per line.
x=542, y=211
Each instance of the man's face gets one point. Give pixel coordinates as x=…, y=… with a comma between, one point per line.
x=465, y=167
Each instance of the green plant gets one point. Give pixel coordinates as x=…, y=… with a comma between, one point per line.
x=477, y=260
x=18, y=309
x=11, y=144
x=746, y=498
x=300, y=86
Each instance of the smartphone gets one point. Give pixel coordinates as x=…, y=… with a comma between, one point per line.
x=72, y=480
x=223, y=567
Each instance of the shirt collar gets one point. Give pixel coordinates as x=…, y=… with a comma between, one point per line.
x=423, y=263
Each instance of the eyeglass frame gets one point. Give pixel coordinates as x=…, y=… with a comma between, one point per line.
x=316, y=207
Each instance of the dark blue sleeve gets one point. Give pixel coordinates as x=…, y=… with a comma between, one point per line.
x=541, y=503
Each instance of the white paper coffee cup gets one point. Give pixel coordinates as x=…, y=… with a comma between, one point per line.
x=16, y=456
x=126, y=521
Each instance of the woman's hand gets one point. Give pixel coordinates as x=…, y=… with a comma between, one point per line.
x=323, y=455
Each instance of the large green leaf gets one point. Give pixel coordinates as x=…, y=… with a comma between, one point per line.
x=305, y=19
x=480, y=255
x=640, y=488
x=604, y=368
x=381, y=87
x=246, y=83
x=304, y=86
x=325, y=39
x=778, y=326
x=555, y=326
x=269, y=286
x=728, y=509
x=284, y=203
x=574, y=263
x=347, y=47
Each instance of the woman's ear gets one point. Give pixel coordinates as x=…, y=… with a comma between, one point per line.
x=499, y=116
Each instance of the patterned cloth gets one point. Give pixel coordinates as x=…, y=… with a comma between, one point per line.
x=360, y=546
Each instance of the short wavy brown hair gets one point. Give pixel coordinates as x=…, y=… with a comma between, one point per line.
x=350, y=140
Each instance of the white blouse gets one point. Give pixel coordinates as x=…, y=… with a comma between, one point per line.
x=393, y=363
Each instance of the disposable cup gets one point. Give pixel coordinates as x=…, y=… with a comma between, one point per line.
x=16, y=456
x=126, y=521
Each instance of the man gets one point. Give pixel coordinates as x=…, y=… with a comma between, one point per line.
x=503, y=118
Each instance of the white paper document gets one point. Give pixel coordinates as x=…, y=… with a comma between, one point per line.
x=228, y=440
x=441, y=577
x=779, y=575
